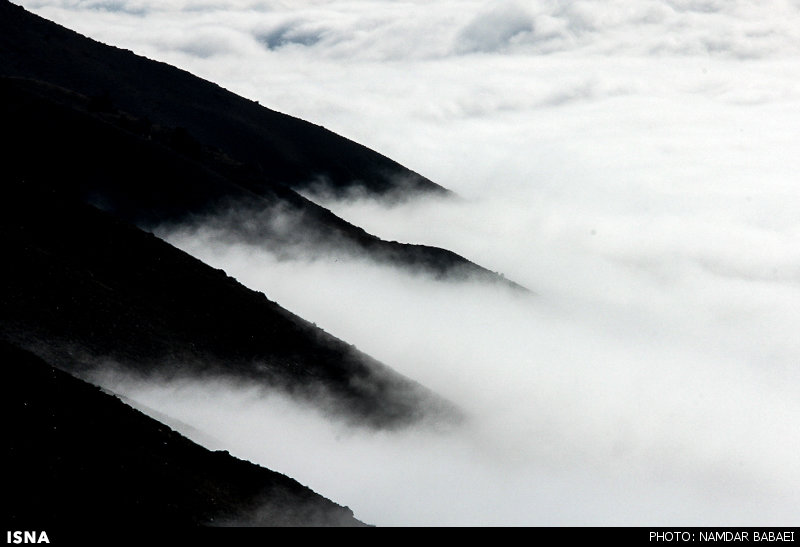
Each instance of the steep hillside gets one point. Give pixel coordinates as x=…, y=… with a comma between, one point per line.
x=151, y=174
x=75, y=456
x=88, y=291
x=283, y=149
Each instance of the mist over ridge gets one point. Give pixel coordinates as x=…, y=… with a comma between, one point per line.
x=648, y=385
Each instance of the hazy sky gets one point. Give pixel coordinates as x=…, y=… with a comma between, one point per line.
x=633, y=162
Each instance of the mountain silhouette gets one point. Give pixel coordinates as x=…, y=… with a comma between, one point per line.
x=285, y=149
x=80, y=456
x=88, y=291
x=152, y=176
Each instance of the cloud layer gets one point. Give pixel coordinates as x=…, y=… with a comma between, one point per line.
x=380, y=30
x=633, y=162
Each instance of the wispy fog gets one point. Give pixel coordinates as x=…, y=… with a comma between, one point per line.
x=634, y=163
x=666, y=382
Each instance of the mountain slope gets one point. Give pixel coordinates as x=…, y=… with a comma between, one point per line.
x=90, y=292
x=78, y=456
x=150, y=174
x=284, y=149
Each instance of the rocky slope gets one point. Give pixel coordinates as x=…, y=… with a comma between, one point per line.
x=76, y=456
x=89, y=291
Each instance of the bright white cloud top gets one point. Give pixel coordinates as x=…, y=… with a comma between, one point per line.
x=635, y=163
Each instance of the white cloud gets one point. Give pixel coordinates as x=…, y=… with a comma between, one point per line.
x=565, y=398
x=495, y=28
x=656, y=354
x=425, y=30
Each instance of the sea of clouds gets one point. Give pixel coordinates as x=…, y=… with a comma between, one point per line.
x=632, y=162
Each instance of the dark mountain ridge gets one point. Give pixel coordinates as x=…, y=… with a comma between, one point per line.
x=78, y=457
x=285, y=150
x=153, y=176
x=88, y=292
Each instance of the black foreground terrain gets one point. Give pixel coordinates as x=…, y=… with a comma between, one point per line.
x=76, y=456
